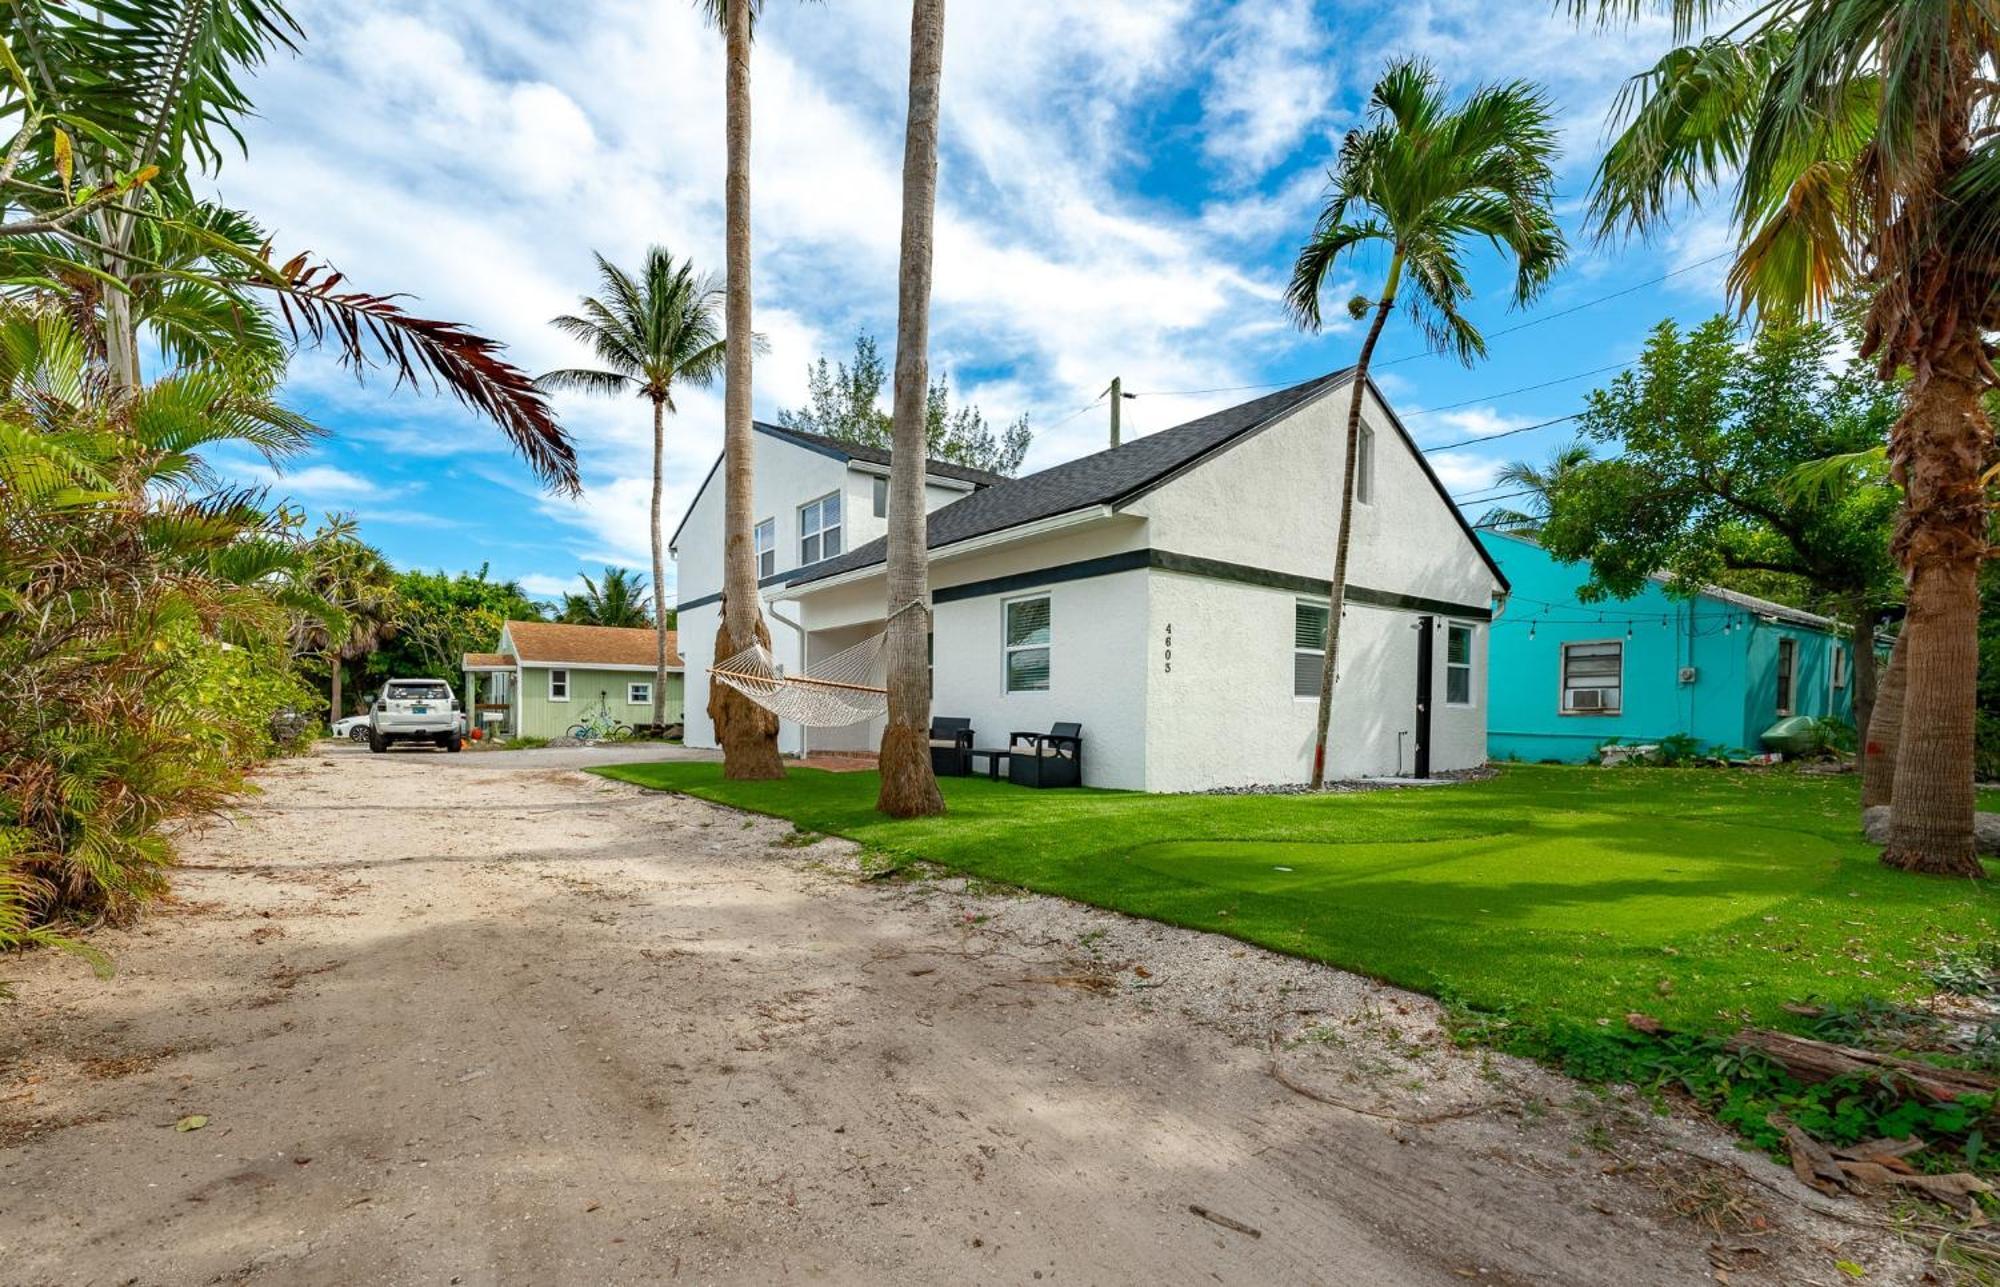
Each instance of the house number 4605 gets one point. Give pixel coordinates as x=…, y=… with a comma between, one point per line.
x=1170, y=648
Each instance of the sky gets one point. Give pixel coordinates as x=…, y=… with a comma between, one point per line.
x=1123, y=186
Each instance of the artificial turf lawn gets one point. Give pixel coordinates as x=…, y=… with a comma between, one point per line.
x=1702, y=897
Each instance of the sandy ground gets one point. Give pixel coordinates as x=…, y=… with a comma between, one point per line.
x=486, y=1019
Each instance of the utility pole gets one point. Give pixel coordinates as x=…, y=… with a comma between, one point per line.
x=1118, y=396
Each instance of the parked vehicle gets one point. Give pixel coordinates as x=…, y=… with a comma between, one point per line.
x=416, y=710
x=354, y=728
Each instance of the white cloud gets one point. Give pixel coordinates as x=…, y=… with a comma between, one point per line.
x=543, y=586
x=1270, y=84
x=1463, y=472
x=1470, y=422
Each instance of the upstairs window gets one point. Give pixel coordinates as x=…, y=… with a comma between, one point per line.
x=1308, y=647
x=1027, y=645
x=819, y=529
x=881, y=498
x=1458, y=665
x=1364, y=466
x=766, y=536
x=1593, y=678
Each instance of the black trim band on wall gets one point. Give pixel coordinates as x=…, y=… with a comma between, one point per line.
x=706, y=599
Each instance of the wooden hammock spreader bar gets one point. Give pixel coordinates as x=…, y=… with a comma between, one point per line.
x=796, y=679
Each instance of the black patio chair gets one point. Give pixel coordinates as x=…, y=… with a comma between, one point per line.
x=1051, y=759
x=951, y=747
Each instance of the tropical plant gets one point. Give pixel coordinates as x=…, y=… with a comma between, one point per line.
x=1534, y=485
x=842, y=402
x=353, y=576
x=442, y=616
x=619, y=599
x=1862, y=143
x=112, y=112
x=746, y=731
x=908, y=788
x=1419, y=181
x=649, y=333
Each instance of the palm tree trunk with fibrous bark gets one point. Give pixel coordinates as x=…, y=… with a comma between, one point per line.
x=1884, y=731
x=659, y=572
x=746, y=731
x=909, y=789
x=335, y=686
x=1337, y=597
x=1940, y=445
x=1862, y=674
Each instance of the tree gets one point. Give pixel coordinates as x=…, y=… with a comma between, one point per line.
x=1704, y=438
x=909, y=790
x=1419, y=180
x=1862, y=142
x=649, y=333
x=843, y=402
x=747, y=732
x=1537, y=484
x=444, y=616
x=620, y=599
x=112, y=110
x=354, y=577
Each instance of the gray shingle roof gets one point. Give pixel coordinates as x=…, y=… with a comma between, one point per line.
x=1107, y=477
x=840, y=447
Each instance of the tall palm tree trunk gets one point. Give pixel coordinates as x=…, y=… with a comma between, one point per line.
x=747, y=732
x=659, y=571
x=1940, y=446
x=1862, y=674
x=1884, y=730
x=1338, y=596
x=909, y=790
x=335, y=685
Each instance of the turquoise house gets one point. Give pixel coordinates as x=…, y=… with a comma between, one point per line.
x=1565, y=676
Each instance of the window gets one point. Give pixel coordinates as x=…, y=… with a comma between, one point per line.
x=1364, y=466
x=881, y=498
x=766, y=536
x=1457, y=665
x=1839, y=666
x=1027, y=645
x=1788, y=667
x=559, y=685
x=1593, y=678
x=1308, y=647
x=639, y=694
x=819, y=529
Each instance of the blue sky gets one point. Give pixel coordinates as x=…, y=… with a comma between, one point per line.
x=1123, y=185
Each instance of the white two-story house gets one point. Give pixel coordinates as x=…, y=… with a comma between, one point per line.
x=1168, y=594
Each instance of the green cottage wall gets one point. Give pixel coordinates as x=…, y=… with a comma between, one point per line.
x=541, y=717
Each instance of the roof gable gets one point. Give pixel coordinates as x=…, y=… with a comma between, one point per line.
x=559, y=643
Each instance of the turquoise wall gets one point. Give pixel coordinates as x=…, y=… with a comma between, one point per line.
x=1734, y=696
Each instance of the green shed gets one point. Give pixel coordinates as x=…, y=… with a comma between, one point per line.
x=545, y=676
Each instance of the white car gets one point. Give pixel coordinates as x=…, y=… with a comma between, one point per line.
x=353, y=729
x=416, y=710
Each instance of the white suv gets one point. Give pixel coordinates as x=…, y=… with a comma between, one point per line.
x=416, y=710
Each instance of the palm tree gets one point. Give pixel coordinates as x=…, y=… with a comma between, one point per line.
x=909, y=790
x=1419, y=180
x=650, y=333
x=355, y=578
x=1863, y=143
x=619, y=600
x=747, y=732
x=1537, y=483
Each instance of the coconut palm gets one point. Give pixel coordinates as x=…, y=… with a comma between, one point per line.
x=649, y=334
x=1419, y=181
x=355, y=578
x=620, y=599
x=1537, y=483
x=909, y=789
x=1862, y=143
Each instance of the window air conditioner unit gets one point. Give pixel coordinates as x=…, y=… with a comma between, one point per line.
x=1689, y=674
x=1587, y=699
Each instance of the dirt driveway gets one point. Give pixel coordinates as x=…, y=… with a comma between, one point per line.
x=482, y=1019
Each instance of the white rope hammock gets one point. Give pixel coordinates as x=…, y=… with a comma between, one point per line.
x=840, y=690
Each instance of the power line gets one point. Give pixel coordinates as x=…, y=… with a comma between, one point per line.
x=1505, y=433
x=1526, y=388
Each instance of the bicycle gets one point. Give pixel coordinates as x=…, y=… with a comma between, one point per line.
x=600, y=725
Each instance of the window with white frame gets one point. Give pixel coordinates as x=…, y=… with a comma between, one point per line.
x=1593, y=678
x=1308, y=647
x=1026, y=644
x=558, y=685
x=1839, y=666
x=639, y=693
x=1788, y=673
x=1458, y=664
x=1364, y=466
x=819, y=529
x=766, y=536
x=881, y=498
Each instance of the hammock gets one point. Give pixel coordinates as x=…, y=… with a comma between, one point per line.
x=836, y=693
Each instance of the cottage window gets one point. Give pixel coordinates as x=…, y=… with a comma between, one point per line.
x=819, y=529
x=1839, y=666
x=1788, y=670
x=1308, y=647
x=1364, y=466
x=1027, y=645
x=1593, y=678
x=766, y=537
x=558, y=685
x=881, y=498
x=639, y=694
x=1458, y=665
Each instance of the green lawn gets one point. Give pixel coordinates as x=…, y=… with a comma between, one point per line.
x=1703, y=898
